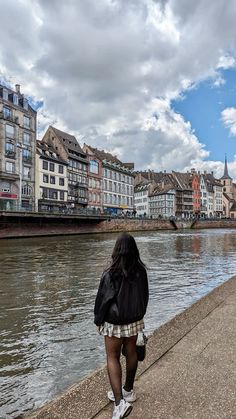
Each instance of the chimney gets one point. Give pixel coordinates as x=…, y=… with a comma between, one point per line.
x=17, y=87
x=212, y=173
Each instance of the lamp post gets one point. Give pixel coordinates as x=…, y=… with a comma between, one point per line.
x=21, y=148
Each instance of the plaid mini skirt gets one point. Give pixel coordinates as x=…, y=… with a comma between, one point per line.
x=121, y=331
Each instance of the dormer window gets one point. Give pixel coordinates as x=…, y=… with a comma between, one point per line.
x=15, y=99
x=5, y=94
x=25, y=104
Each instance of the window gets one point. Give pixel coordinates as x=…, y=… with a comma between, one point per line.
x=7, y=112
x=45, y=178
x=26, y=122
x=10, y=167
x=25, y=104
x=61, y=181
x=26, y=172
x=60, y=168
x=45, y=165
x=52, y=194
x=26, y=138
x=9, y=131
x=61, y=196
x=5, y=94
x=9, y=148
x=52, y=180
x=26, y=190
x=51, y=167
x=15, y=99
x=93, y=166
x=26, y=153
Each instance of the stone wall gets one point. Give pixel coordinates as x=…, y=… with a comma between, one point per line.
x=42, y=226
x=35, y=225
x=221, y=223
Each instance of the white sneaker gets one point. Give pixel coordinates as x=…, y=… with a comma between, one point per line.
x=129, y=396
x=122, y=410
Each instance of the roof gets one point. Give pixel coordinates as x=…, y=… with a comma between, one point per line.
x=48, y=152
x=21, y=98
x=159, y=190
x=70, y=142
x=226, y=173
x=113, y=161
x=210, y=179
x=233, y=208
x=144, y=186
x=227, y=197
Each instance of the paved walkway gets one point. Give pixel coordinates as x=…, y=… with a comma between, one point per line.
x=189, y=371
x=196, y=378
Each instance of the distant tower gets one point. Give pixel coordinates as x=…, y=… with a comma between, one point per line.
x=227, y=181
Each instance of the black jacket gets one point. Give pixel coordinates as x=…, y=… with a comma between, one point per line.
x=121, y=299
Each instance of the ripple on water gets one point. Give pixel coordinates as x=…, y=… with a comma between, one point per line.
x=48, y=340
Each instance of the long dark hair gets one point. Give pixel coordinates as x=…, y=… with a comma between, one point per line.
x=125, y=255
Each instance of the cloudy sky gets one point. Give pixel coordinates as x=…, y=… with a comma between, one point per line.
x=153, y=81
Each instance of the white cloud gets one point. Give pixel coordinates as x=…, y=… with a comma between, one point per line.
x=226, y=62
x=228, y=117
x=103, y=69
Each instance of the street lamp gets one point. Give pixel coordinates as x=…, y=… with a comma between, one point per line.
x=21, y=147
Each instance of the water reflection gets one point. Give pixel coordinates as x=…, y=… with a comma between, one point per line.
x=47, y=291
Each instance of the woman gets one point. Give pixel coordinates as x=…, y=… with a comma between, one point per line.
x=120, y=306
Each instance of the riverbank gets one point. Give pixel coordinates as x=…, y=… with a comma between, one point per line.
x=189, y=371
x=14, y=225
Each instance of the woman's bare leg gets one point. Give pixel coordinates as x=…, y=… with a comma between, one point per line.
x=131, y=361
x=113, y=350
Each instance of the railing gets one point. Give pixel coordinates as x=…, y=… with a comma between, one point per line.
x=10, y=154
x=9, y=117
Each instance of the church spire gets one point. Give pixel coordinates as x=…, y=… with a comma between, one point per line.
x=226, y=173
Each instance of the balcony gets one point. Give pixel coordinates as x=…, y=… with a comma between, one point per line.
x=80, y=200
x=27, y=160
x=9, y=117
x=10, y=154
x=9, y=175
x=81, y=185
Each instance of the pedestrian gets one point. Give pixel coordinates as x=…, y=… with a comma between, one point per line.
x=120, y=306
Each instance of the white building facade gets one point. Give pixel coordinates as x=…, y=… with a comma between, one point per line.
x=51, y=180
x=162, y=203
x=141, y=199
x=118, y=188
x=17, y=150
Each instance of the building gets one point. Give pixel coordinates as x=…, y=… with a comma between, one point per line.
x=162, y=202
x=94, y=180
x=184, y=194
x=117, y=183
x=51, y=179
x=195, y=185
x=17, y=150
x=141, y=197
x=69, y=150
x=227, y=181
x=214, y=197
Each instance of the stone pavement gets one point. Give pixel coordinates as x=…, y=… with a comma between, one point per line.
x=189, y=371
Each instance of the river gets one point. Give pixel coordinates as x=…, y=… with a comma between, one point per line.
x=47, y=289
